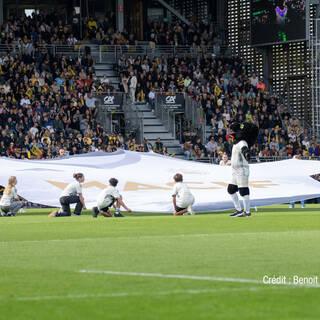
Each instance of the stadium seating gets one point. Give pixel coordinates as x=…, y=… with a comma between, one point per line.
x=47, y=108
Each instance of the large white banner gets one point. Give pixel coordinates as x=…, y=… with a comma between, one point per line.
x=146, y=180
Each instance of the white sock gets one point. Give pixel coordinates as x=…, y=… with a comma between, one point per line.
x=246, y=203
x=236, y=201
x=117, y=210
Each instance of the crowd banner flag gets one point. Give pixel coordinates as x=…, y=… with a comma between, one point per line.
x=36, y=151
x=148, y=190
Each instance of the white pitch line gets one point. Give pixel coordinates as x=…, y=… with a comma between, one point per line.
x=125, y=294
x=196, y=235
x=190, y=277
x=106, y=238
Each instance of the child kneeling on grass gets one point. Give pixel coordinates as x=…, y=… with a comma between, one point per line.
x=107, y=198
x=182, y=198
x=10, y=202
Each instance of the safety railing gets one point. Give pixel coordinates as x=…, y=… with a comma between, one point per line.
x=103, y=53
x=168, y=105
x=196, y=117
x=108, y=105
x=164, y=112
x=133, y=119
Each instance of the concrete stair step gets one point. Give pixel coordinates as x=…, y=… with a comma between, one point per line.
x=104, y=66
x=176, y=150
x=154, y=129
x=152, y=122
x=108, y=73
x=110, y=78
x=149, y=115
x=162, y=136
x=143, y=108
x=168, y=143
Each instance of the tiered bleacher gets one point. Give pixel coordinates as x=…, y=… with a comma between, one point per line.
x=47, y=103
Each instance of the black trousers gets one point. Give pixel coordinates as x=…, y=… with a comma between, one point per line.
x=65, y=205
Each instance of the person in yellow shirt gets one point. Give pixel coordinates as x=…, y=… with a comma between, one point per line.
x=33, y=79
x=71, y=73
x=141, y=96
x=217, y=91
x=29, y=93
x=180, y=81
x=93, y=27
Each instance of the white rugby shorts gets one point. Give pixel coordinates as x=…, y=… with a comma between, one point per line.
x=240, y=178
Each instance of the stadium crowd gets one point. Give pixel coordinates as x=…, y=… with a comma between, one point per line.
x=47, y=103
x=57, y=29
x=47, y=108
x=227, y=92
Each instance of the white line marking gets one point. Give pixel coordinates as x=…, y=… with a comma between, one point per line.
x=125, y=294
x=196, y=235
x=190, y=277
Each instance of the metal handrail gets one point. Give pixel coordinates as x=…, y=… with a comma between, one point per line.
x=196, y=115
x=133, y=118
x=102, y=53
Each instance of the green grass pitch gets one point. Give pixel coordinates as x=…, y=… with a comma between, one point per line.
x=41, y=259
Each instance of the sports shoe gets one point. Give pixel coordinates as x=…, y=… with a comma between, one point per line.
x=190, y=210
x=248, y=214
x=118, y=215
x=76, y=215
x=52, y=214
x=95, y=212
x=236, y=214
x=22, y=210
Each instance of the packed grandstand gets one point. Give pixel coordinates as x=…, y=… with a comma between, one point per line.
x=47, y=101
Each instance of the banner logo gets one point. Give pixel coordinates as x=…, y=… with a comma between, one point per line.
x=108, y=100
x=171, y=99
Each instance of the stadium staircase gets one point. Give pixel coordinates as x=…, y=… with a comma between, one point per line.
x=108, y=70
x=153, y=129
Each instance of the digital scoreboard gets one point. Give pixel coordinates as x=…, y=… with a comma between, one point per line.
x=277, y=21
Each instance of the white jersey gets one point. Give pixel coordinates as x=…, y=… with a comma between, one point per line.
x=7, y=199
x=184, y=197
x=72, y=189
x=107, y=196
x=238, y=161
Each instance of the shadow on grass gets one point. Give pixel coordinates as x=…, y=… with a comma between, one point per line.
x=44, y=212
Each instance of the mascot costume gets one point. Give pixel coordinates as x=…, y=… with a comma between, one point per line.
x=244, y=137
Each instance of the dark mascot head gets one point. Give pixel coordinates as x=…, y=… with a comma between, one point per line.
x=246, y=131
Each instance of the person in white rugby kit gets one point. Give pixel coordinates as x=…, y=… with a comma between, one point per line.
x=244, y=136
x=10, y=202
x=182, y=198
x=71, y=194
x=107, y=198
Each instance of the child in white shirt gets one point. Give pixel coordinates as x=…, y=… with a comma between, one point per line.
x=182, y=198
